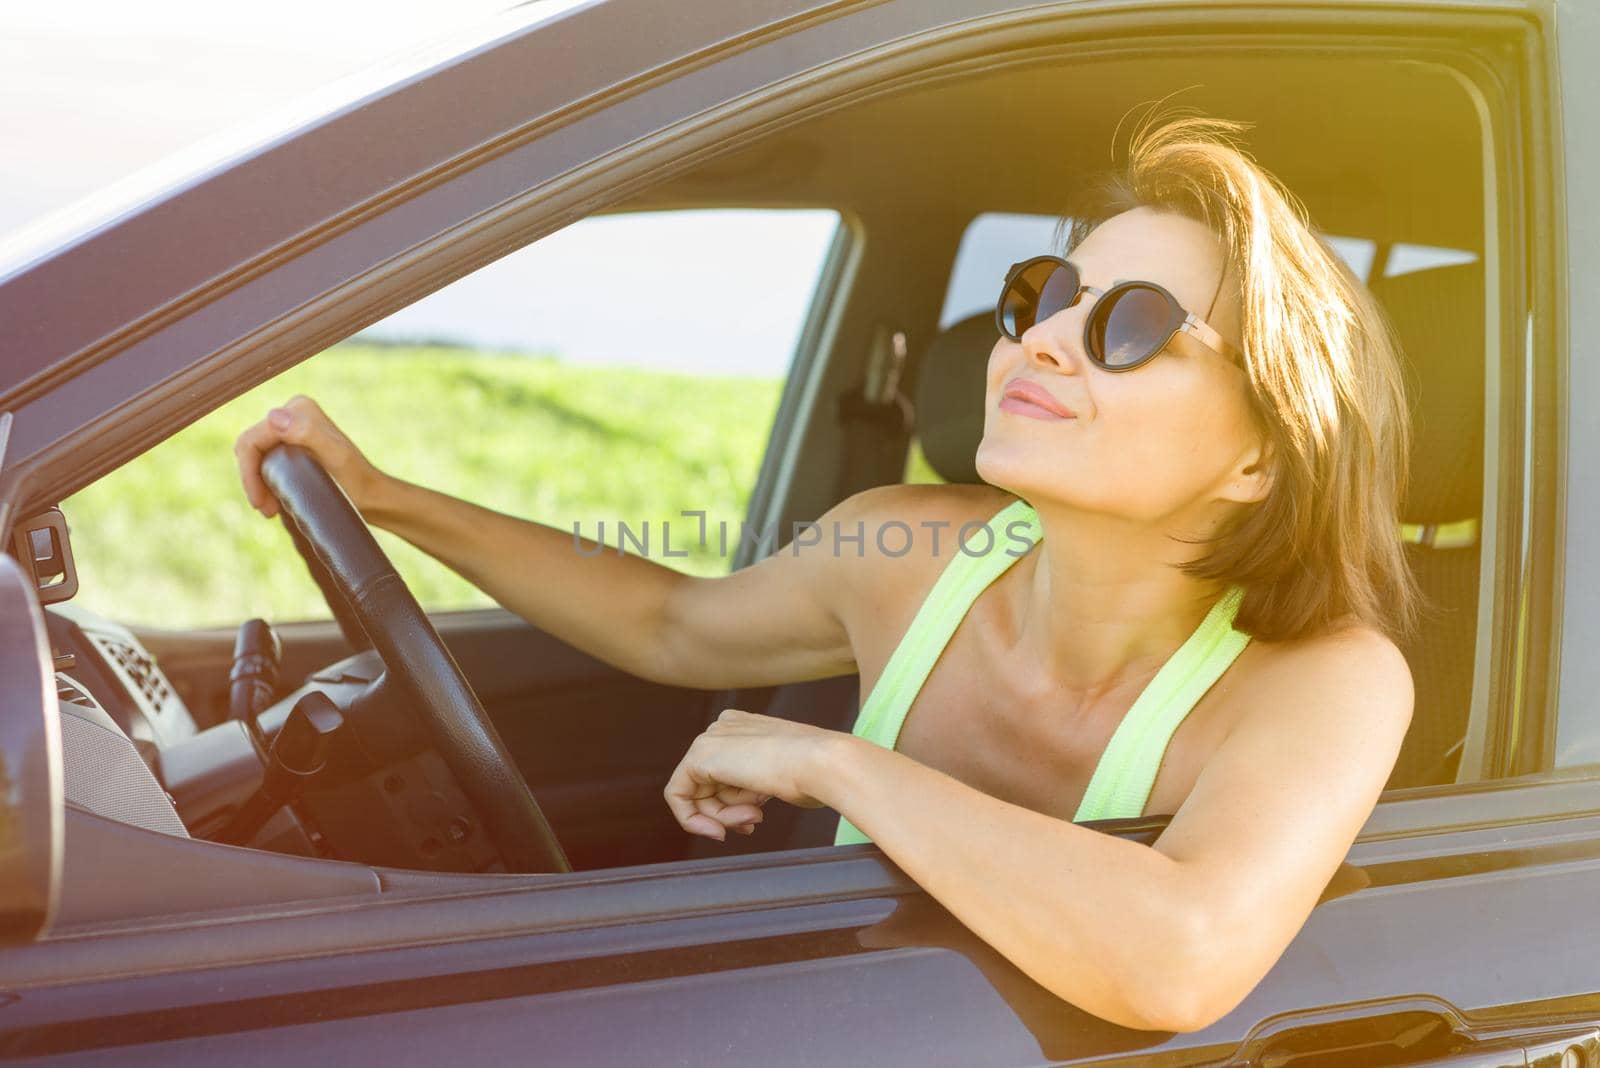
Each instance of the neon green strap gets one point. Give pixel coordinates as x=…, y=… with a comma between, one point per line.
x=958, y=585
x=1127, y=770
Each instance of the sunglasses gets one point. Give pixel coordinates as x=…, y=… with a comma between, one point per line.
x=1128, y=326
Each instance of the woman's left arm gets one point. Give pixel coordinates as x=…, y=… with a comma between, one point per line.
x=1167, y=937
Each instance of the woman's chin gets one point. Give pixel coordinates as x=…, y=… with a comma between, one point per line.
x=1008, y=468
x=1019, y=469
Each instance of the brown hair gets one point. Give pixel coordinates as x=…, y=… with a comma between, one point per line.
x=1326, y=386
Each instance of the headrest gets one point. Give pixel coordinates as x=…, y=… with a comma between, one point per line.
x=950, y=388
x=1438, y=317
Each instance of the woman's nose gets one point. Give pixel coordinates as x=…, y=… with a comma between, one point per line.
x=1053, y=343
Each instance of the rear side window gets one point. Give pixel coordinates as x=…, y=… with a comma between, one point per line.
x=991, y=243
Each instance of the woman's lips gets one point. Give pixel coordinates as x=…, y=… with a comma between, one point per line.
x=1032, y=400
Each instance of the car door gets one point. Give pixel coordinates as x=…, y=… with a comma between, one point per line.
x=1457, y=929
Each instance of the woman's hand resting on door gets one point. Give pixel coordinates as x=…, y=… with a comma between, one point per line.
x=742, y=761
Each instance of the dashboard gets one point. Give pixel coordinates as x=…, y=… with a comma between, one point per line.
x=133, y=753
x=101, y=663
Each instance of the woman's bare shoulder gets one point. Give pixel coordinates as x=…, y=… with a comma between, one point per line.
x=1347, y=644
x=1355, y=664
x=1332, y=708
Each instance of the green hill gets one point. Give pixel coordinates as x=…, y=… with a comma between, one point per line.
x=168, y=540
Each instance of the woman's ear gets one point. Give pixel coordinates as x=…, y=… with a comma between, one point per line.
x=1251, y=478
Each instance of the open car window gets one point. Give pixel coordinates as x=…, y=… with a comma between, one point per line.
x=612, y=375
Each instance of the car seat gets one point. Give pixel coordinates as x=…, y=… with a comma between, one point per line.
x=1438, y=317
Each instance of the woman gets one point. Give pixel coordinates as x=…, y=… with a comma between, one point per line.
x=1176, y=593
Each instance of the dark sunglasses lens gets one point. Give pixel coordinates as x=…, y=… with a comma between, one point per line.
x=1036, y=292
x=1129, y=325
x=1058, y=293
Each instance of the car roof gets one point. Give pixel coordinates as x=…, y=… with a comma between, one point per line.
x=1363, y=142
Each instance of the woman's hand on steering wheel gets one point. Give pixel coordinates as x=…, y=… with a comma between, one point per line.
x=359, y=579
x=301, y=421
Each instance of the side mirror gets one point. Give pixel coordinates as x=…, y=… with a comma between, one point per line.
x=40, y=544
x=32, y=808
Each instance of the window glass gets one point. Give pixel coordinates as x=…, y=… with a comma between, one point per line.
x=1357, y=252
x=993, y=242
x=622, y=370
x=1404, y=259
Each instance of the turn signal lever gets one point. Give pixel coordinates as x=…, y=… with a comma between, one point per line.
x=299, y=752
x=253, y=682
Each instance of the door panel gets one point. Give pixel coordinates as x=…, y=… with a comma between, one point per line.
x=813, y=957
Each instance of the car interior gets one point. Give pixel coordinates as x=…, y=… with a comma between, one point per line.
x=1385, y=153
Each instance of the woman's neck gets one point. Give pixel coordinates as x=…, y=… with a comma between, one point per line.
x=1104, y=604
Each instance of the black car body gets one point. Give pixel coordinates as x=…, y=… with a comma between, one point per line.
x=1460, y=930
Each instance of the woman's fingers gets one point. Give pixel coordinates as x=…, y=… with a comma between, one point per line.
x=248, y=450
x=738, y=764
x=683, y=792
x=729, y=815
x=705, y=826
x=741, y=816
x=738, y=795
x=300, y=421
x=294, y=423
x=741, y=808
x=706, y=807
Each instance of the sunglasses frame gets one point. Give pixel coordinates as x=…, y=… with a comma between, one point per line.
x=1180, y=319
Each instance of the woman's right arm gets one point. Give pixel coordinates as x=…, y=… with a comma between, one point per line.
x=775, y=621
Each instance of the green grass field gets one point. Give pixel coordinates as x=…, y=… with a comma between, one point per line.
x=168, y=540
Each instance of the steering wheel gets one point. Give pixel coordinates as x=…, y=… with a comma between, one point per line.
x=378, y=602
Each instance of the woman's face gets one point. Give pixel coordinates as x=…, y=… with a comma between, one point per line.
x=1155, y=444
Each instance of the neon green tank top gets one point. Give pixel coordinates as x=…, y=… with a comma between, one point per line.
x=1123, y=778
